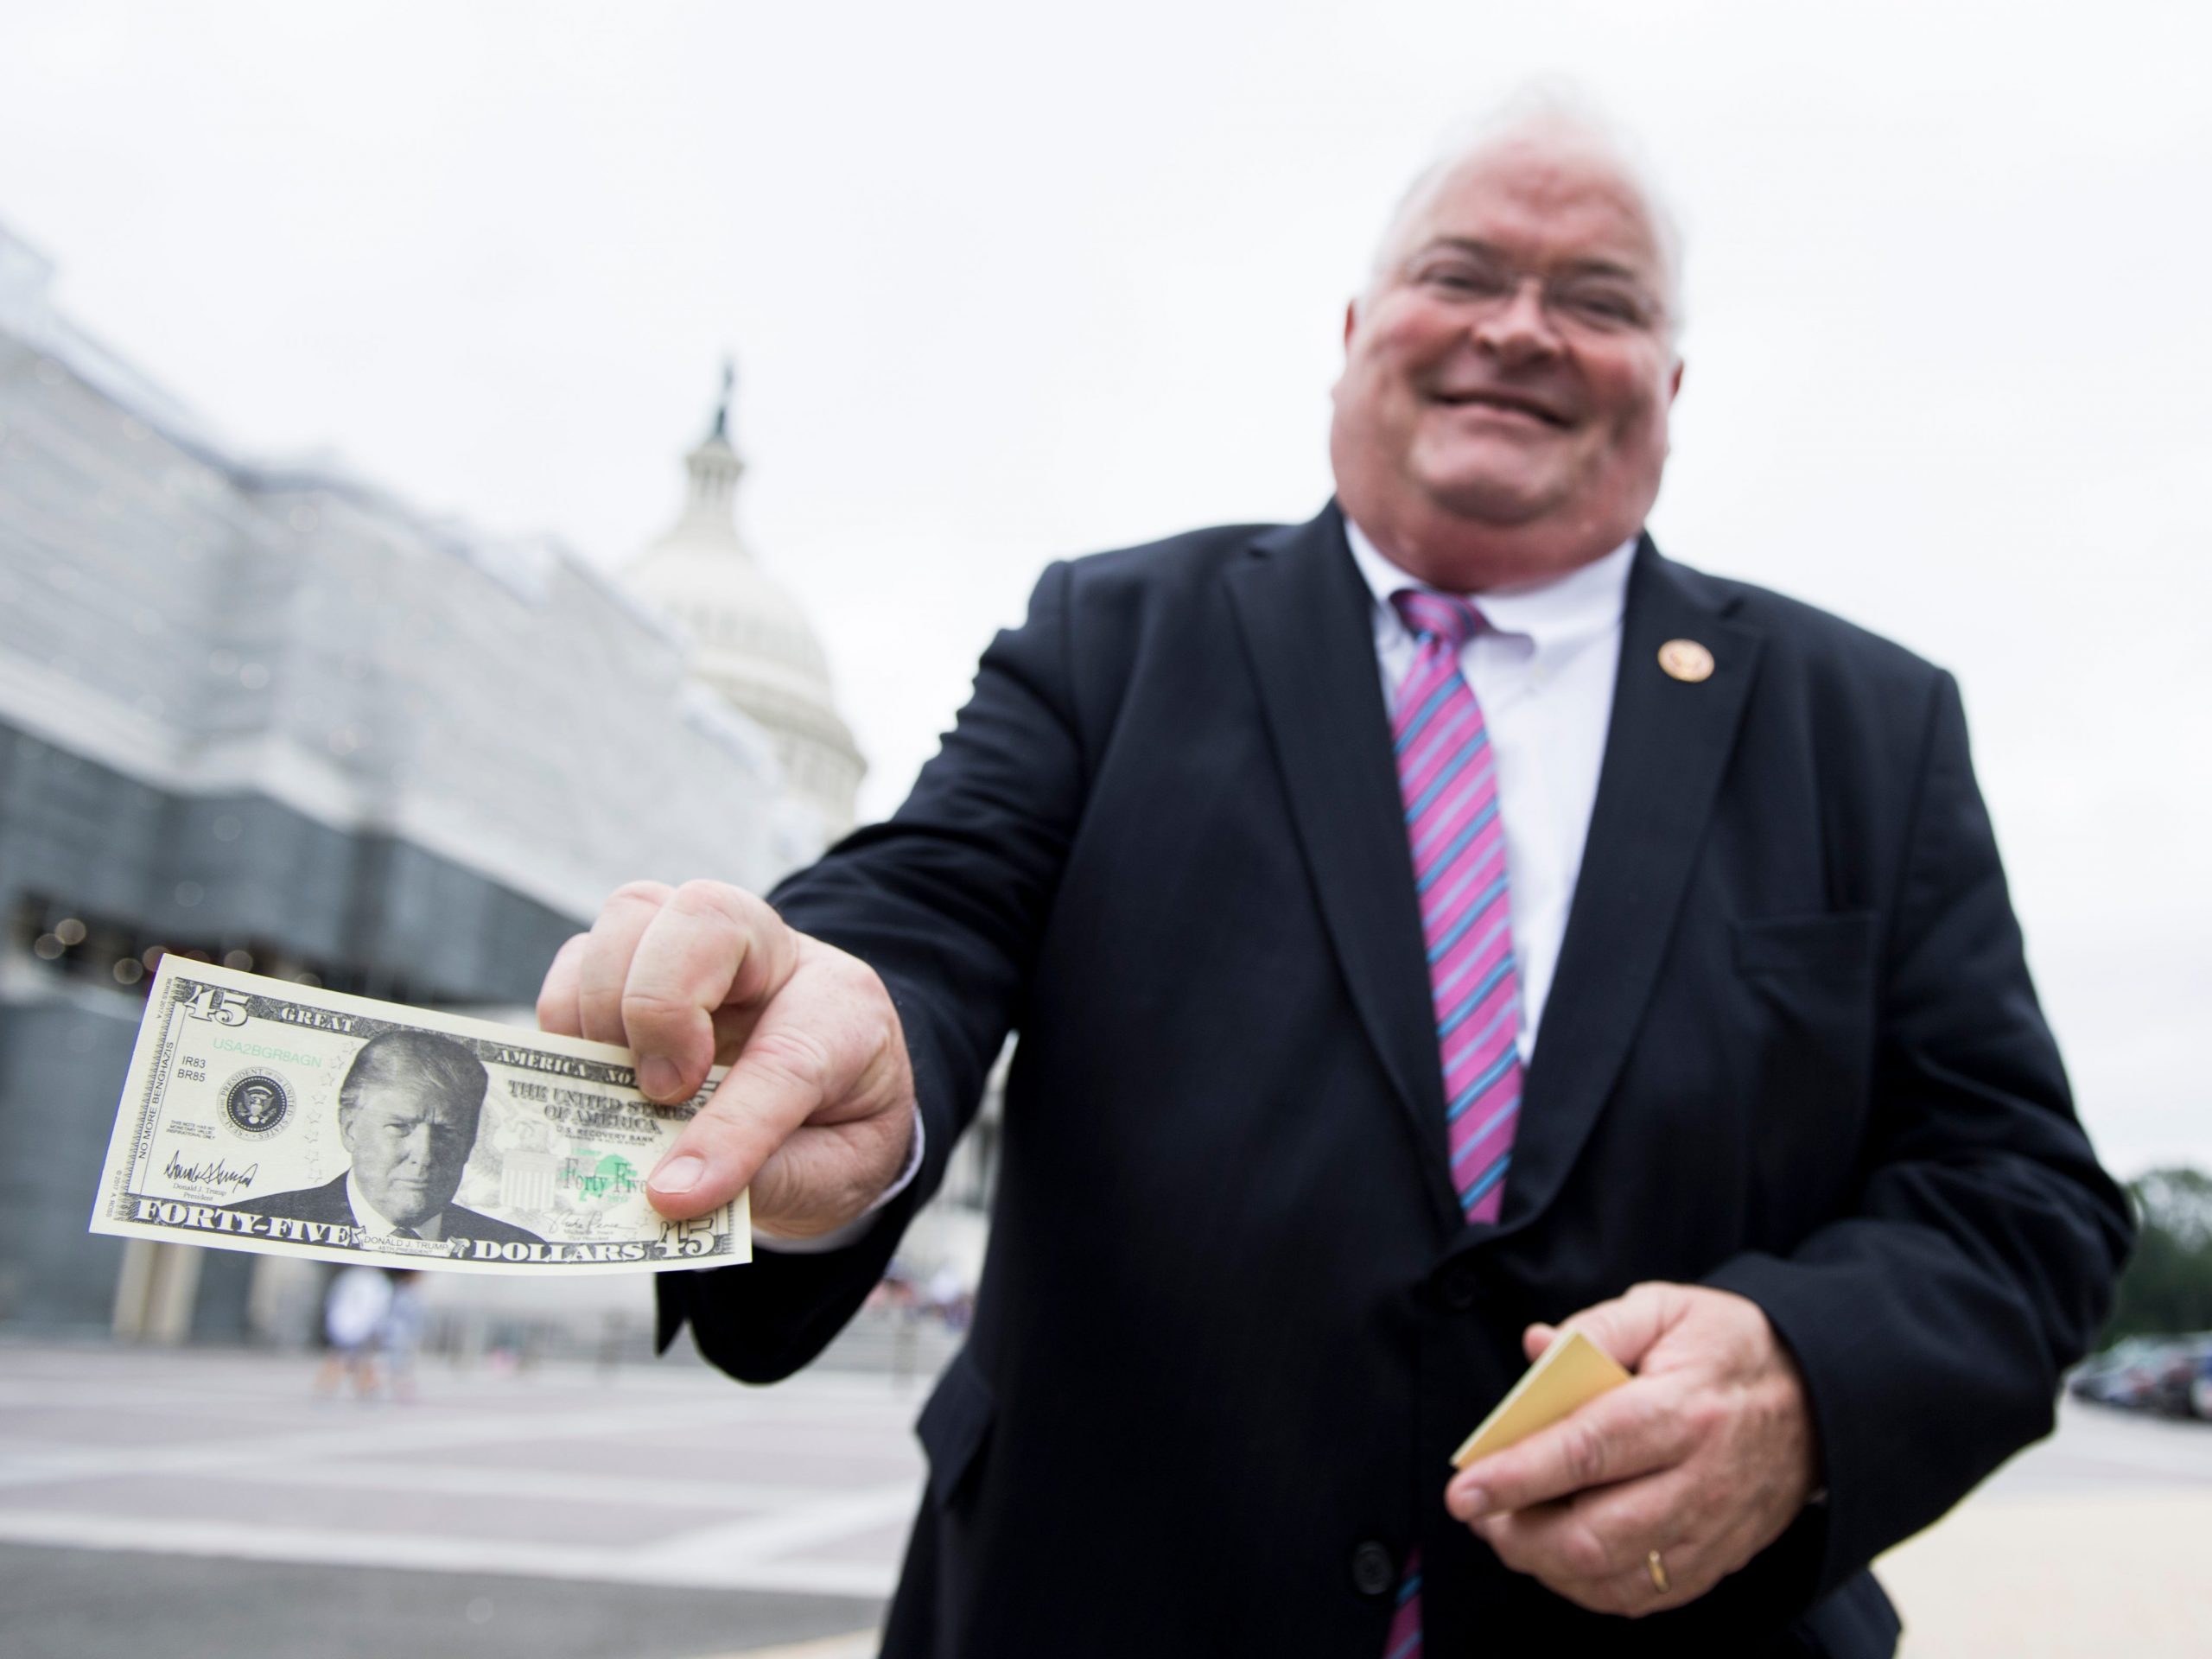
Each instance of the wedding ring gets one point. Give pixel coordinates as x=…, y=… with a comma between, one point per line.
x=1657, y=1569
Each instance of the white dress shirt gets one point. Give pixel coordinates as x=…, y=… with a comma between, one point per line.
x=1542, y=668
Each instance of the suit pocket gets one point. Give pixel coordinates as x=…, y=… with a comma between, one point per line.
x=1838, y=947
x=954, y=1425
x=1802, y=1054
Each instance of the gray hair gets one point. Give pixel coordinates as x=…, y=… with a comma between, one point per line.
x=1557, y=115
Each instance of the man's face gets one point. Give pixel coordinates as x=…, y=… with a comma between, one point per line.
x=1510, y=368
x=410, y=1144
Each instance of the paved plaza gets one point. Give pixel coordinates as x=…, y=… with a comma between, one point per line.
x=191, y=1502
x=195, y=1501
x=2097, y=1541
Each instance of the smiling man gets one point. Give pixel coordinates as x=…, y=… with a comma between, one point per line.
x=1510, y=367
x=1424, y=927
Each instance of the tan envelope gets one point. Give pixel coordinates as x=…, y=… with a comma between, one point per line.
x=1573, y=1371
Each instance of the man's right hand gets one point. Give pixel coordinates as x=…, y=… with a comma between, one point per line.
x=817, y=1115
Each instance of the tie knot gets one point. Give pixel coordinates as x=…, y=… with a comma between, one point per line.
x=1437, y=616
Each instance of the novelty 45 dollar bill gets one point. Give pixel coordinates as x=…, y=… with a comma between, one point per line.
x=263, y=1115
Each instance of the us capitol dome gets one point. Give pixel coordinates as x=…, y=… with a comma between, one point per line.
x=752, y=644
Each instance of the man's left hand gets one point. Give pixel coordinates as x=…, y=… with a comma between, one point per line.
x=1704, y=1456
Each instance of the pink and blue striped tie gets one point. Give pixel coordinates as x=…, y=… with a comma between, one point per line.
x=1449, y=780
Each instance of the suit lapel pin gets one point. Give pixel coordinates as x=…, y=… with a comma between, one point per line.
x=1686, y=660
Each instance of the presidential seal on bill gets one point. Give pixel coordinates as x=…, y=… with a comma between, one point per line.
x=257, y=1105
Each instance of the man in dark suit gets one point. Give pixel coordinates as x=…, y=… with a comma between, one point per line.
x=408, y=1110
x=1424, y=927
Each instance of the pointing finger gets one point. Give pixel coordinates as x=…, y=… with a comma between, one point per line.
x=823, y=1079
x=782, y=1078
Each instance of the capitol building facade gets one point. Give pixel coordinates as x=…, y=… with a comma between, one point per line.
x=277, y=717
x=751, y=644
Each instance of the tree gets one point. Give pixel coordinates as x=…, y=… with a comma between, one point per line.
x=2167, y=1287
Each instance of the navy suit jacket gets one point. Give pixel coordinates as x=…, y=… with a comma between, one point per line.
x=1232, y=1321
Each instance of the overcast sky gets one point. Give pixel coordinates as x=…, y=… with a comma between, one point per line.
x=1008, y=283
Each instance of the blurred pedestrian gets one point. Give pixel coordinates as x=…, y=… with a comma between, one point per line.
x=401, y=1332
x=353, y=1314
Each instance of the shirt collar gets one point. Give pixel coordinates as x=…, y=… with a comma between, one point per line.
x=367, y=1216
x=1560, y=610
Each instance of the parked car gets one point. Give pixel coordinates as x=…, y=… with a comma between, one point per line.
x=2171, y=1375
x=2114, y=1377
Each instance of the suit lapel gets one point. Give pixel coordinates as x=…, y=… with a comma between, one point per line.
x=1307, y=626
x=1666, y=751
